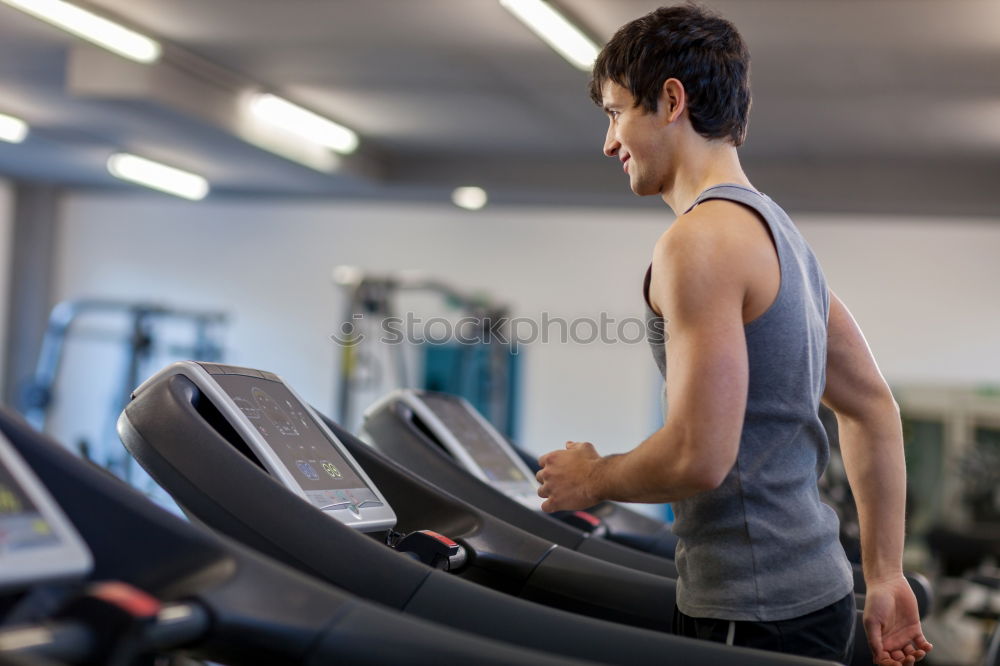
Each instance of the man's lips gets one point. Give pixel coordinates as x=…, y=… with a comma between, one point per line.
x=625, y=163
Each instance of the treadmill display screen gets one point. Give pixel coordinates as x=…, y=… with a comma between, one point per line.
x=477, y=440
x=22, y=525
x=327, y=479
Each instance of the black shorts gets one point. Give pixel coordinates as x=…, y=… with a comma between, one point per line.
x=824, y=634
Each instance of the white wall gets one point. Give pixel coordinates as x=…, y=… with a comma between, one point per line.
x=923, y=290
x=270, y=266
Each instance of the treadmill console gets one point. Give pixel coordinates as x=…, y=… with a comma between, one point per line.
x=37, y=541
x=473, y=441
x=292, y=444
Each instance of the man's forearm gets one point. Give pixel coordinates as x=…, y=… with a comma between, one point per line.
x=872, y=448
x=655, y=471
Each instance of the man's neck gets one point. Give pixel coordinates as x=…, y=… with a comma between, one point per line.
x=705, y=164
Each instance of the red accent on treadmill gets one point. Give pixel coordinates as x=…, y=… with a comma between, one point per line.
x=590, y=518
x=440, y=537
x=132, y=600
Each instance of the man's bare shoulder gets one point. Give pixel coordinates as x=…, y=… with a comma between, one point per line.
x=707, y=254
x=716, y=232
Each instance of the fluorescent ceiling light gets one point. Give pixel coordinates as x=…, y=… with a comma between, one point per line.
x=469, y=198
x=157, y=176
x=555, y=30
x=93, y=28
x=12, y=129
x=293, y=118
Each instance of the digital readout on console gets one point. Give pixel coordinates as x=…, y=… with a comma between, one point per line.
x=285, y=424
x=22, y=526
x=477, y=440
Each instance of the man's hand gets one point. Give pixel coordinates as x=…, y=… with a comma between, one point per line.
x=567, y=477
x=893, y=624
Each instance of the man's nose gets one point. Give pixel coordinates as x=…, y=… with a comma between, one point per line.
x=611, y=144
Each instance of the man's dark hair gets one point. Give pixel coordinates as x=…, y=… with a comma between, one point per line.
x=700, y=49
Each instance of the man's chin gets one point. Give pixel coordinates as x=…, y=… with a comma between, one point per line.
x=643, y=191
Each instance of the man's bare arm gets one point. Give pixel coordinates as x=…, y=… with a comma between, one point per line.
x=871, y=440
x=699, y=281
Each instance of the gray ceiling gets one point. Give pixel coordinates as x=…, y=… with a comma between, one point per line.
x=885, y=106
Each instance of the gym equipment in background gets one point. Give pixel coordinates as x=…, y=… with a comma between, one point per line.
x=138, y=331
x=379, y=353
x=145, y=334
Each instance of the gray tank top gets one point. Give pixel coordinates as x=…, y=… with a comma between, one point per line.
x=762, y=546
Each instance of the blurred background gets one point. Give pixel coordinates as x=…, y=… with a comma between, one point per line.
x=333, y=164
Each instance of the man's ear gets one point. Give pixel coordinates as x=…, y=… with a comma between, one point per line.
x=673, y=100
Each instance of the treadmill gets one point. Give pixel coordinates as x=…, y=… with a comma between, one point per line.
x=177, y=587
x=241, y=452
x=444, y=439
x=38, y=544
x=408, y=419
x=397, y=425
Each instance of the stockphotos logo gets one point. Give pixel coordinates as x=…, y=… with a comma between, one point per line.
x=513, y=332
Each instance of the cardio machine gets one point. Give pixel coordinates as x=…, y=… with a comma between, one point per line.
x=241, y=452
x=428, y=432
x=178, y=588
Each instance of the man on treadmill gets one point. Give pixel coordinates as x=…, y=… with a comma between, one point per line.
x=754, y=340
